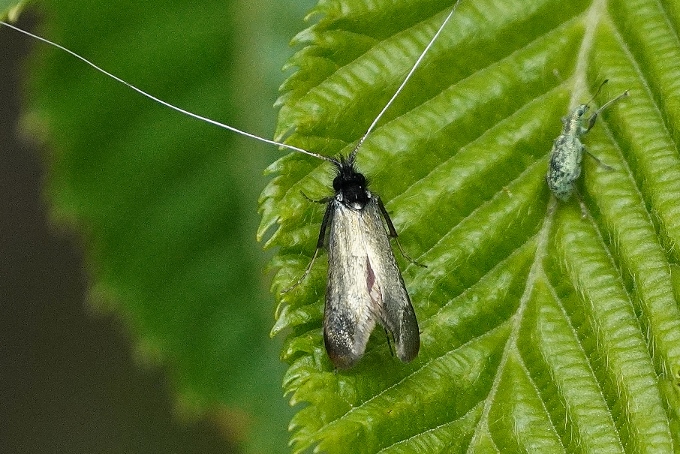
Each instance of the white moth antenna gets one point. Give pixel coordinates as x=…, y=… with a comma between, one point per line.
x=401, y=87
x=166, y=104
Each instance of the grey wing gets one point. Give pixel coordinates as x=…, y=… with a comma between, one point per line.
x=396, y=312
x=364, y=287
x=350, y=314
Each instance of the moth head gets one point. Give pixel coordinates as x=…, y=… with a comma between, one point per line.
x=350, y=184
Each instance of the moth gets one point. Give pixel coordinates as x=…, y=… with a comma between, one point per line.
x=364, y=284
x=567, y=150
x=365, y=287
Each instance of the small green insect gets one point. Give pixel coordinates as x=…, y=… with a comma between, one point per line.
x=567, y=151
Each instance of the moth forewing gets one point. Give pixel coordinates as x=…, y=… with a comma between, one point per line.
x=365, y=286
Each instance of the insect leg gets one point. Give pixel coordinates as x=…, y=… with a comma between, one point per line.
x=324, y=225
x=319, y=243
x=393, y=232
x=389, y=341
x=591, y=120
x=584, y=210
x=324, y=200
x=599, y=161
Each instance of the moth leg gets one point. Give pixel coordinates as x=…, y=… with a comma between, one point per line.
x=388, y=334
x=393, y=232
x=319, y=244
x=324, y=200
x=598, y=160
x=389, y=342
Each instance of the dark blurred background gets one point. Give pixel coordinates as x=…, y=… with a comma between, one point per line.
x=68, y=382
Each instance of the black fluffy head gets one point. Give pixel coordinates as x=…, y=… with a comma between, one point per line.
x=351, y=184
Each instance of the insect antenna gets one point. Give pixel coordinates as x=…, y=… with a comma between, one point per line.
x=593, y=117
x=167, y=104
x=353, y=154
x=597, y=92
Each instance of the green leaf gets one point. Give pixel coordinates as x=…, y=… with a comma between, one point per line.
x=541, y=330
x=10, y=9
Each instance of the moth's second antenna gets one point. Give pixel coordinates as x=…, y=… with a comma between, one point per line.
x=403, y=83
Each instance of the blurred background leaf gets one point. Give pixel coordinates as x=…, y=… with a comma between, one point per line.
x=165, y=205
x=11, y=9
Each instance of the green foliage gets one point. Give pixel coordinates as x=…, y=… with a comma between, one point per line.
x=167, y=205
x=10, y=9
x=542, y=330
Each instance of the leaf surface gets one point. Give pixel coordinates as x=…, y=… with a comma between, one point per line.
x=541, y=330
